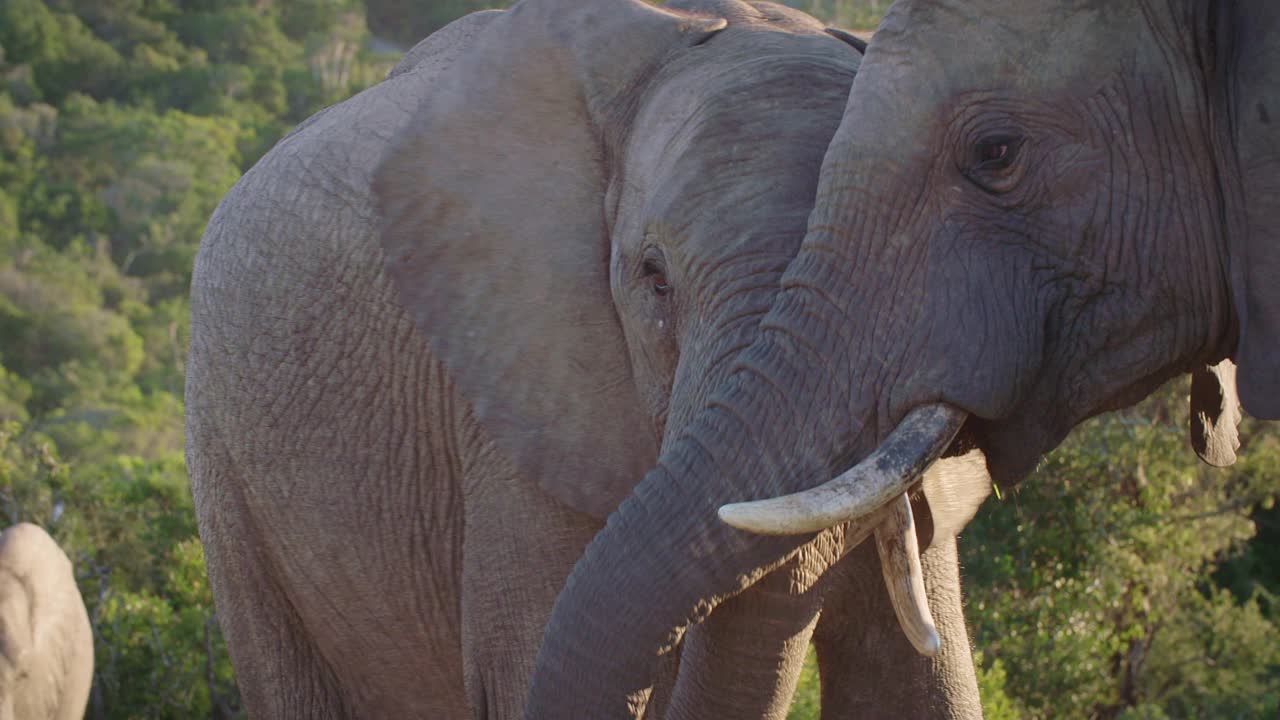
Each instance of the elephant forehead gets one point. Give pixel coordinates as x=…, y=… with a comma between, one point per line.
x=697, y=138
x=963, y=45
x=714, y=91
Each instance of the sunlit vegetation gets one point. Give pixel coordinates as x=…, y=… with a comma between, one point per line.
x=122, y=123
x=1127, y=580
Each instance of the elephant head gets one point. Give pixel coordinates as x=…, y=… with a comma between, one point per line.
x=1080, y=201
x=1029, y=215
x=580, y=237
x=588, y=219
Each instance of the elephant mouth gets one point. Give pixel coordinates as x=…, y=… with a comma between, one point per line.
x=871, y=499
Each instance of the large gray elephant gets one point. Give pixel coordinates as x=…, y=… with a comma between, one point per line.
x=1032, y=213
x=46, y=643
x=418, y=386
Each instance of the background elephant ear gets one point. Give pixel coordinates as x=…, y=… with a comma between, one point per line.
x=494, y=234
x=1254, y=90
x=849, y=39
x=952, y=490
x=1215, y=414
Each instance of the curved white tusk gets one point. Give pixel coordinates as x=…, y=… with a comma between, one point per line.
x=900, y=563
x=900, y=460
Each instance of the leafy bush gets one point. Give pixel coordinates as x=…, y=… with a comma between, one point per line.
x=1093, y=582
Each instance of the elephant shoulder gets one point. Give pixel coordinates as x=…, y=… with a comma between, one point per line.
x=307, y=205
x=351, y=136
x=315, y=183
x=288, y=279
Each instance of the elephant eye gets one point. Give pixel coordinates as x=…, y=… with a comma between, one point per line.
x=656, y=276
x=996, y=152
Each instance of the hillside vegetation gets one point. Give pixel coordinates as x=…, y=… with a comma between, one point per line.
x=1123, y=580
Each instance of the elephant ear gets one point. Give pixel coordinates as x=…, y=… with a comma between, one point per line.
x=1254, y=98
x=495, y=238
x=1215, y=414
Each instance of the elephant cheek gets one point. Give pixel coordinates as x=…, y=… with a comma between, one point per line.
x=1014, y=447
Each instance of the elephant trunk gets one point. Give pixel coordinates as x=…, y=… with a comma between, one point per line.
x=779, y=424
x=664, y=560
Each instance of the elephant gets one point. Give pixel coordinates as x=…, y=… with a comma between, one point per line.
x=442, y=329
x=46, y=642
x=1031, y=213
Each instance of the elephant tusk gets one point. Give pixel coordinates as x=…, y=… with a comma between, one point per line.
x=885, y=474
x=900, y=562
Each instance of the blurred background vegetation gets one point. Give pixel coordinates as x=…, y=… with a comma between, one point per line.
x=1124, y=580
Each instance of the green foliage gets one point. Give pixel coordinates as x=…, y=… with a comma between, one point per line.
x=1124, y=580
x=62, y=53
x=1093, y=583
x=807, y=702
x=31, y=475
x=128, y=525
x=852, y=14
x=992, y=678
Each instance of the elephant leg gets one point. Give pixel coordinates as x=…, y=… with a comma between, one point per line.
x=744, y=660
x=520, y=544
x=334, y=553
x=868, y=667
x=269, y=647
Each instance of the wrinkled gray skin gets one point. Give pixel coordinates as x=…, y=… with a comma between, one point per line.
x=1035, y=211
x=46, y=643
x=402, y=438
